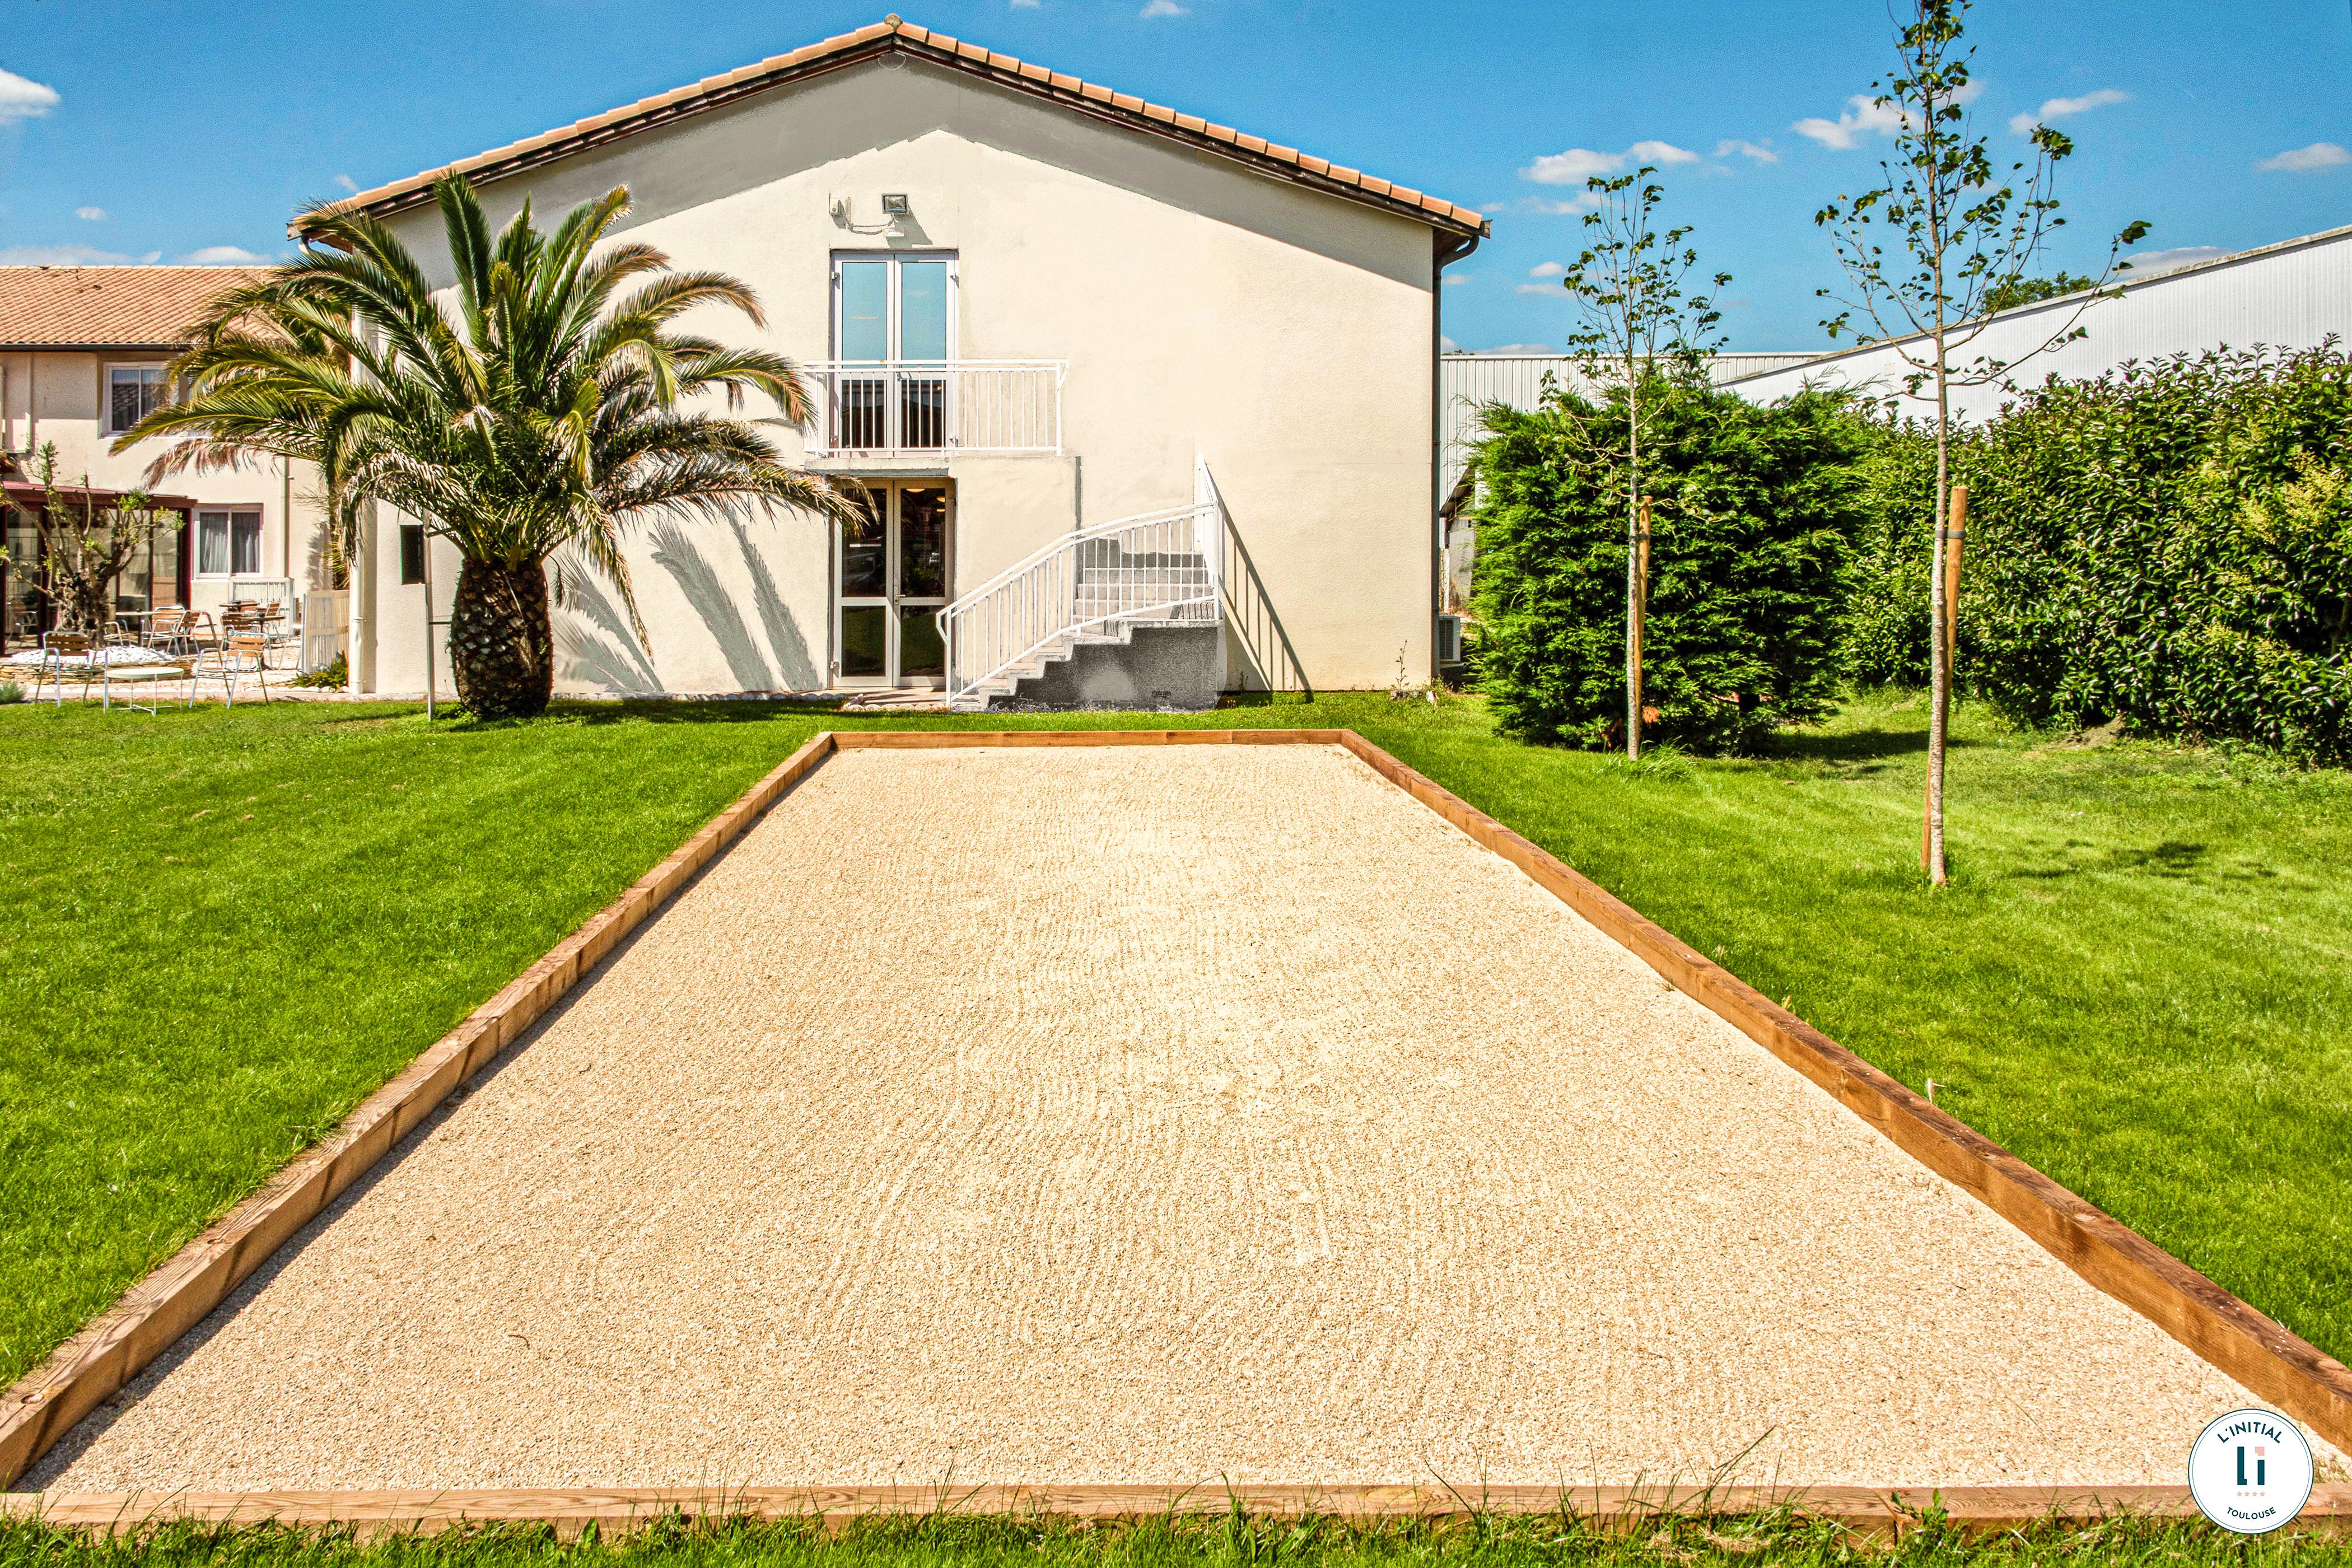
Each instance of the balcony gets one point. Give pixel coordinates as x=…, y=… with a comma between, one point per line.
x=894, y=408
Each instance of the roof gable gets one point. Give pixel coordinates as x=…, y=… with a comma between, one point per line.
x=893, y=35
x=109, y=307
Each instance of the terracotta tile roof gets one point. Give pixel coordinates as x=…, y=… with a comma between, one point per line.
x=893, y=35
x=124, y=307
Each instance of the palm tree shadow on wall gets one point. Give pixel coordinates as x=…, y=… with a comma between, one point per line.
x=785, y=643
x=604, y=650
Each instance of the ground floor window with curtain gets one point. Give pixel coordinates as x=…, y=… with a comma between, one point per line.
x=228, y=542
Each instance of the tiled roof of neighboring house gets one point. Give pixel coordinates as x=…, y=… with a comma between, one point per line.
x=109, y=307
x=893, y=35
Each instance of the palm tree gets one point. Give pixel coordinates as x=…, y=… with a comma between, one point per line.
x=544, y=408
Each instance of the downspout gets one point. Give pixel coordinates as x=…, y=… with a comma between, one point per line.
x=1446, y=254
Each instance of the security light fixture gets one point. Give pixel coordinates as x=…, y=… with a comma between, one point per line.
x=894, y=207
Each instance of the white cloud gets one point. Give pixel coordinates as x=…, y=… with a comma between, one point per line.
x=1546, y=269
x=1866, y=117
x=22, y=97
x=2148, y=263
x=2306, y=160
x=1447, y=345
x=2060, y=108
x=1862, y=118
x=67, y=256
x=1663, y=153
x=1579, y=165
x=1583, y=201
x=347, y=183
x=1761, y=152
x=90, y=215
x=1516, y=348
x=1453, y=279
x=1026, y=4
x=1494, y=206
x=1572, y=167
x=223, y=256
x=1162, y=8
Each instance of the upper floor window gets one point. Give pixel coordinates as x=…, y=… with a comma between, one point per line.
x=228, y=542
x=132, y=393
x=893, y=308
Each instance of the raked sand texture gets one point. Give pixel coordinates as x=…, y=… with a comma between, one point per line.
x=1144, y=1114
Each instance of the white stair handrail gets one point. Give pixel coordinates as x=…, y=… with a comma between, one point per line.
x=1164, y=564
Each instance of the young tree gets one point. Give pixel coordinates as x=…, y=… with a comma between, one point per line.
x=84, y=546
x=1635, y=329
x=1943, y=240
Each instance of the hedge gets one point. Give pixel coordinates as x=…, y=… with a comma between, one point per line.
x=2171, y=543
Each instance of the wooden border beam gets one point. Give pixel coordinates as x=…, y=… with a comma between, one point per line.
x=2250, y=1347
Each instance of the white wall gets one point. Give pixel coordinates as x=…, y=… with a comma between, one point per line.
x=2292, y=295
x=1285, y=334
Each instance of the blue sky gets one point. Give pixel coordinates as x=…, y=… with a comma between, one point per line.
x=179, y=128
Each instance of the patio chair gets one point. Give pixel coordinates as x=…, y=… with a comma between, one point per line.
x=228, y=660
x=64, y=655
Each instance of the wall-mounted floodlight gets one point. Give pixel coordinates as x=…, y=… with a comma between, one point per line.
x=895, y=207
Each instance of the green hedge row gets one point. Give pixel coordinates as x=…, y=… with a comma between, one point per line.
x=2171, y=543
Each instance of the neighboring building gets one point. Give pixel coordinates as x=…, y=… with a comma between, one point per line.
x=1470, y=383
x=82, y=351
x=1032, y=306
x=2296, y=294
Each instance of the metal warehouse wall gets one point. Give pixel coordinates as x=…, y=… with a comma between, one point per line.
x=2294, y=294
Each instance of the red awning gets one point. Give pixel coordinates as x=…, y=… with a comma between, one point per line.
x=22, y=493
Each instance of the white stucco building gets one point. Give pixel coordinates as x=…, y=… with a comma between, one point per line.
x=1033, y=307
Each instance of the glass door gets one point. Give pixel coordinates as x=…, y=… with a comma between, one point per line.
x=896, y=313
x=893, y=579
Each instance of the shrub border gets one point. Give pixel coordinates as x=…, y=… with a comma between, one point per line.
x=2258, y=1352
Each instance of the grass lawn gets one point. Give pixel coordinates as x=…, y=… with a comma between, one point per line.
x=225, y=929
x=946, y=1541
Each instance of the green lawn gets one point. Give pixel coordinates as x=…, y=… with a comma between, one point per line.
x=947, y=1542
x=225, y=929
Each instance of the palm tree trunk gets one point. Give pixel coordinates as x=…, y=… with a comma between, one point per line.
x=501, y=650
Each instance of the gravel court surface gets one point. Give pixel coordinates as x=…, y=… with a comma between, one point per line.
x=1144, y=1115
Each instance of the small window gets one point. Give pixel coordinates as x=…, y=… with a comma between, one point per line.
x=133, y=392
x=412, y=554
x=228, y=543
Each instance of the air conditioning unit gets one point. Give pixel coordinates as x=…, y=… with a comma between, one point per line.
x=1449, y=639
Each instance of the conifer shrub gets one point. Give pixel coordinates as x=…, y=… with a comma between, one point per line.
x=1753, y=509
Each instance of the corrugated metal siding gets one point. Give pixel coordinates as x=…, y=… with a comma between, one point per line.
x=1471, y=382
x=2292, y=295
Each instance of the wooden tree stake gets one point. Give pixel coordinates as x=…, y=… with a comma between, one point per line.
x=1641, y=599
x=1951, y=539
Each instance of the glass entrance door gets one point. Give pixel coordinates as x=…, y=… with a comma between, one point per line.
x=892, y=582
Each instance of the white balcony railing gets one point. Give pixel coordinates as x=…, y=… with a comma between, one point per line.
x=898, y=407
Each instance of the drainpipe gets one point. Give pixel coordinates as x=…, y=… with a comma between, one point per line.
x=1448, y=253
